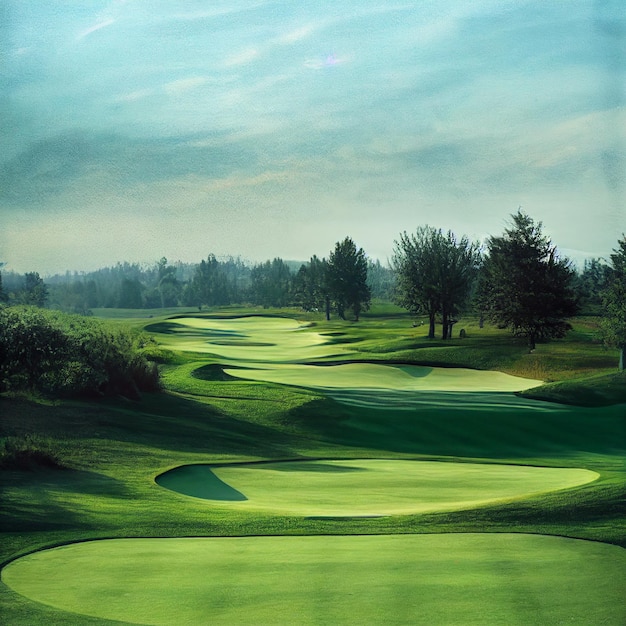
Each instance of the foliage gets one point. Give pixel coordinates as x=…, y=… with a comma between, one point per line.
x=3, y=295
x=33, y=291
x=435, y=274
x=524, y=284
x=30, y=451
x=61, y=354
x=271, y=284
x=346, y=278
x=589, y=285
x=614, y=301
x=310, y=290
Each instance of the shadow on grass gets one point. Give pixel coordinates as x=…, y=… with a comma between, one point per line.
x=47, y=507
x=490, y=426
x=161, y=420
x=313, y=466
x=199, y=481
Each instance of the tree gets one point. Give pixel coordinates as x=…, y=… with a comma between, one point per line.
x=614, y=303
x=271, y=283
x=34, y=291
x=589, y=285
x=524, y=284
x=435, y=274
x=168, y=285
x=310, y=291
x=346, y=278
x=3, y=295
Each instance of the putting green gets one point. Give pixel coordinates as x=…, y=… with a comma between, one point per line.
x=262, y=339
x=468, y=579
x=366, y=487
x=269, y=349
x=373, y=376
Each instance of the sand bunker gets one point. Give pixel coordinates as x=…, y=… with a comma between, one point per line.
x=365, y=487
x=469, y=579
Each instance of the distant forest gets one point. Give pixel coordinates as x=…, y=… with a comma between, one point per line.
x=212, y=282
x=219, y=282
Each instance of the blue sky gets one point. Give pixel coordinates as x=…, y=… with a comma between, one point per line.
x=145, y=128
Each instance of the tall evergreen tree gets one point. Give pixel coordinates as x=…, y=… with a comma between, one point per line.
x=524, y=285
x=347, y=278
x=614, y=302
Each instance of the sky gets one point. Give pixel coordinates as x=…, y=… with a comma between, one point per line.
x=136, y=129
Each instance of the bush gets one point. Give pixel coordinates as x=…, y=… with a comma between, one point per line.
x=66, y=355
x=27, y=453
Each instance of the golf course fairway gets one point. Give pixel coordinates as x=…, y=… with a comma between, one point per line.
x=464, y=579
x=373, y=376
x=366, y=487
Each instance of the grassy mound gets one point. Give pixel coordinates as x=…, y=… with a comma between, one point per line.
x=373, y=376
x=422, y=579
x=366, y=487
x=594, y=391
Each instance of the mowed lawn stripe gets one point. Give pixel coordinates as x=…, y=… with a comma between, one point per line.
x=468, y=579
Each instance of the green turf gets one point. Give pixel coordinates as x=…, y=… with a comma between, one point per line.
x=374, y=376
x=114, y=448
x=429, y=579
x=366, y=487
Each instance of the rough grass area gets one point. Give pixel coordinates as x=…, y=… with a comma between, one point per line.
x=465, y=579
x=29, y=452
x=593, y=391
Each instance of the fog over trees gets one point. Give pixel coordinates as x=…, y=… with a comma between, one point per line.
x=518, y=280
x=614, y=301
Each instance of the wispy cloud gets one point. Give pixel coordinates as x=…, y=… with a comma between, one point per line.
x=185, y=84
x=242, y=57
x=96, y=27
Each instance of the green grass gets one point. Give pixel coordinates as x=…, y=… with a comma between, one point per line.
x=428, y=579
x=362, y=487
x=114, y=449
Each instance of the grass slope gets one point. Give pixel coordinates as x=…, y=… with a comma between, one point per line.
x=113, y=449
x=362, y=487
x=427, y=579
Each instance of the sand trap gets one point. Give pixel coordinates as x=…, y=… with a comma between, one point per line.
x=468, y=579
x=373, y=376
x=365, y=487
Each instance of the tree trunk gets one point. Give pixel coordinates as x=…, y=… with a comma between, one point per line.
x=445, y=326
x=431, y=326
x=531, y=342
x=327, y=304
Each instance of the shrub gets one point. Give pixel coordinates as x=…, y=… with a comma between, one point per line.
x=65, y=355
x=28, y=452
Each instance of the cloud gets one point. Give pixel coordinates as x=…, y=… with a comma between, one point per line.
x=185, y=84
x=298, y=34
x=96, y=27
x=242, y=57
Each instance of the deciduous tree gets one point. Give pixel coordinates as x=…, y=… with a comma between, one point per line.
x=434, y=274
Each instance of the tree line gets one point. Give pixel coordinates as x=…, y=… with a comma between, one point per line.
x=517, y=280
x=212, y=282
